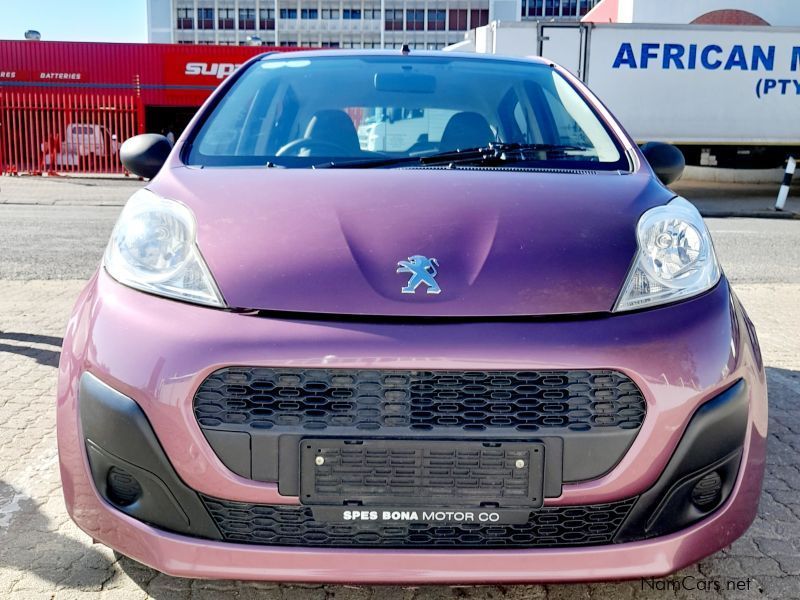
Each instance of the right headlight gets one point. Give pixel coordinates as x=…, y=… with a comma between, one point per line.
x=675, y=259
x=153, y=248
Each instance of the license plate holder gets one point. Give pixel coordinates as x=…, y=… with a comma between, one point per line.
x=418, y=473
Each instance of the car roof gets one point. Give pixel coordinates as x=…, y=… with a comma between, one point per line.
x=437, y=54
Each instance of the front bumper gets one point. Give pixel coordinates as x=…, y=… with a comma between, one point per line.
x=679, y=356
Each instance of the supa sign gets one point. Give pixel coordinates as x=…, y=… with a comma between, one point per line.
x=216, y=70
x=203, y=66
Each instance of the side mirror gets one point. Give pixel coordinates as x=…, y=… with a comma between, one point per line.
x=145, y=154
x=666, y=160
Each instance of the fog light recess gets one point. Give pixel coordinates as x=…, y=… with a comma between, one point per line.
x=123, y=488
x=707, y=492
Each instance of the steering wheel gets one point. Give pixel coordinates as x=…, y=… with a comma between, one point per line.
x=327, y=148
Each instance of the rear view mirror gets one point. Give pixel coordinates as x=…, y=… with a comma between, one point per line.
x=414, y=83
x=145, y=154
x=666, y=161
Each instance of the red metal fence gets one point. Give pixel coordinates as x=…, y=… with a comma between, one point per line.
x=64, y=133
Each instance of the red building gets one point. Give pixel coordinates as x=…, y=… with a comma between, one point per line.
x=66, y=106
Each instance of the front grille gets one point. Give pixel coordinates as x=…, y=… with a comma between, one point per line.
x=257, y=398
x=291, y=525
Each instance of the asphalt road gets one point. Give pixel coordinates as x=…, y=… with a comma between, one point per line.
x=66, y=242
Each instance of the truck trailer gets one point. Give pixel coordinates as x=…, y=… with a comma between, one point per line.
x=728, y=96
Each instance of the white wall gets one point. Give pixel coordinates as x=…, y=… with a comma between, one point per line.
x=501, y=10
x=785, y=13
x=159, y=21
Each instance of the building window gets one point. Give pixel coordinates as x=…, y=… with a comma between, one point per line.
x=288, y=13
x=436, y=19
x=536, y=8
x=394, y=20
x=372, y=14
x=556, y=8
x=458, y=19
x=205, y=18
x=247, y=18
x=479, y=18
x=330, y=13
x=226, y=18
x=266, y=18
x=415, y=19
x=353, y=14
x=309, y=13
x=288, y=44
x=185, y=20
x=330, y=44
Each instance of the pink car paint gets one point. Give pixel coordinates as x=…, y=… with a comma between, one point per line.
x=306, y=263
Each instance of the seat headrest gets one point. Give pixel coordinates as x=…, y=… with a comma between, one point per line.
x=336, y=127
x=466, y=130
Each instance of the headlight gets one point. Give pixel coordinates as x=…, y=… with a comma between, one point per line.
x=153, y=248
x=675, y=260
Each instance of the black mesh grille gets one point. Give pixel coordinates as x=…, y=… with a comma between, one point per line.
x=287, y=525
x=319, y=399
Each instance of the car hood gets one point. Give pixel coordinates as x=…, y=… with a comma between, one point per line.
x=507, y=243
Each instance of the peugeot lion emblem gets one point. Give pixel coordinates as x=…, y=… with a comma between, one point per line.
x=422, y=270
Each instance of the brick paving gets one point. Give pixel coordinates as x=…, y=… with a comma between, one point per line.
x=43, y=555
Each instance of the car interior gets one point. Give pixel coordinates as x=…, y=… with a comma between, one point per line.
x=343, y=109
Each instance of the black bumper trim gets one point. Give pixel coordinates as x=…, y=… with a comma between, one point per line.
x=117, y=433
x=713, y=441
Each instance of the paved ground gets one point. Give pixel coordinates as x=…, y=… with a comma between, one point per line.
x=43, y=555
x=736, y=199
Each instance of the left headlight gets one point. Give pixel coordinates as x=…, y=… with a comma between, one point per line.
x=153, y=248
x=675, y=259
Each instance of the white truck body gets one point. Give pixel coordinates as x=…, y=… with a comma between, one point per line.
x=381, y=132
x=685, y=84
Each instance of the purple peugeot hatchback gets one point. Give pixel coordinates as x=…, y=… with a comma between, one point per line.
x=428, y=317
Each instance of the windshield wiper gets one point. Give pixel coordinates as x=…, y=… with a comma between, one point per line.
x=499, y=152
x=496, y=153
x=367, y=164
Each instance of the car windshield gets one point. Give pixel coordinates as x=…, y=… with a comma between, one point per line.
x=386, y=110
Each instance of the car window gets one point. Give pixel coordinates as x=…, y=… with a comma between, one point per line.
x=520, y=118
x=575, y=123
x=304, y=111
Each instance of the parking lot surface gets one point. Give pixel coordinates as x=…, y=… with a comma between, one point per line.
x=46, y=256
